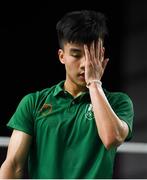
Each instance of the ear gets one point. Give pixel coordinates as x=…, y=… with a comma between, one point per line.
x=61, y=56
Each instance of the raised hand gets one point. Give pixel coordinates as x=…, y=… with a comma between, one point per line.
x=95, y=62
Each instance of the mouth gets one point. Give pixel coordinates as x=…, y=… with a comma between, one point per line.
x=82, y=76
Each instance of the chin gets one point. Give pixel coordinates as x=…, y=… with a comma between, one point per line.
x=82, y=84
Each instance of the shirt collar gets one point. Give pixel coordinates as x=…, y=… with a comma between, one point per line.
x=59, y=88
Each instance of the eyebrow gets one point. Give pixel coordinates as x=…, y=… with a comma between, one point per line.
x=75, y=50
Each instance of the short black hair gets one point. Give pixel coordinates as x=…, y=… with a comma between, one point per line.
x=84, y=26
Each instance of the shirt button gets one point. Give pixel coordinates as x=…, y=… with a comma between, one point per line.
x=73, y=102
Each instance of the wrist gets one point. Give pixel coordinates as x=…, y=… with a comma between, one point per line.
x=93, y=83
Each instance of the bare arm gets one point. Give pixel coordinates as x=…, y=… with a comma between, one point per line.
x=18, y=149
x=111, y=129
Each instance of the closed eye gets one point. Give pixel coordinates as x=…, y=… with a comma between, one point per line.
x=76, y=55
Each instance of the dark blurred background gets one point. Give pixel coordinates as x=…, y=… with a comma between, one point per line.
x=29, y=61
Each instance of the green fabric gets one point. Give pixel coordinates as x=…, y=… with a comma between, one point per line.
x=65, y=138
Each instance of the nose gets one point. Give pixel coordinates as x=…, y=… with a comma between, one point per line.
x=82, y=62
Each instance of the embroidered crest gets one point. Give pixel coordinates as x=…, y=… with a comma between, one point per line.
x=89, y=112
x=46, y=109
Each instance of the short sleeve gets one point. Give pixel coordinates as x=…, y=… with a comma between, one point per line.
x=124, y=110
x=22, y=118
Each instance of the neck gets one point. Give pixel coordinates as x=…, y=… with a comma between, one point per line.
x=74, y=89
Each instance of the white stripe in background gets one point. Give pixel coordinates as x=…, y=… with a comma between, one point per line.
x=133, y=147
x=127, y=147
x=4, y=141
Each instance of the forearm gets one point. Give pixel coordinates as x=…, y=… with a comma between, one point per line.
x=17, y=153
x=111, y=129
x=9, y=171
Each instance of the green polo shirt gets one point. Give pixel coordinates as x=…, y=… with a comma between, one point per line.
x=66, y=143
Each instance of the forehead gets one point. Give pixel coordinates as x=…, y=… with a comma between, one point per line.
x=73, y=46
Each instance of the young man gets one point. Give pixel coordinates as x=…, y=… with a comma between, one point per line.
x=71, y=130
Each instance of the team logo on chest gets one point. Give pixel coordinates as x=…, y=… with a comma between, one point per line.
x=89, y=115
x=46, y=109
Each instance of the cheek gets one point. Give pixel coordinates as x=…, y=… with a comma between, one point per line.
x=72, y=66
x=69, y=67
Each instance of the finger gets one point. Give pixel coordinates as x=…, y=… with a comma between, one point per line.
x=105, y=62
x=98, y=49
x=86, y=51
x=102, y=54
x=92, y=52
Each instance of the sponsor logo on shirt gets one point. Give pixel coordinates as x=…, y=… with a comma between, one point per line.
x=46, y=109
x=89, y=115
